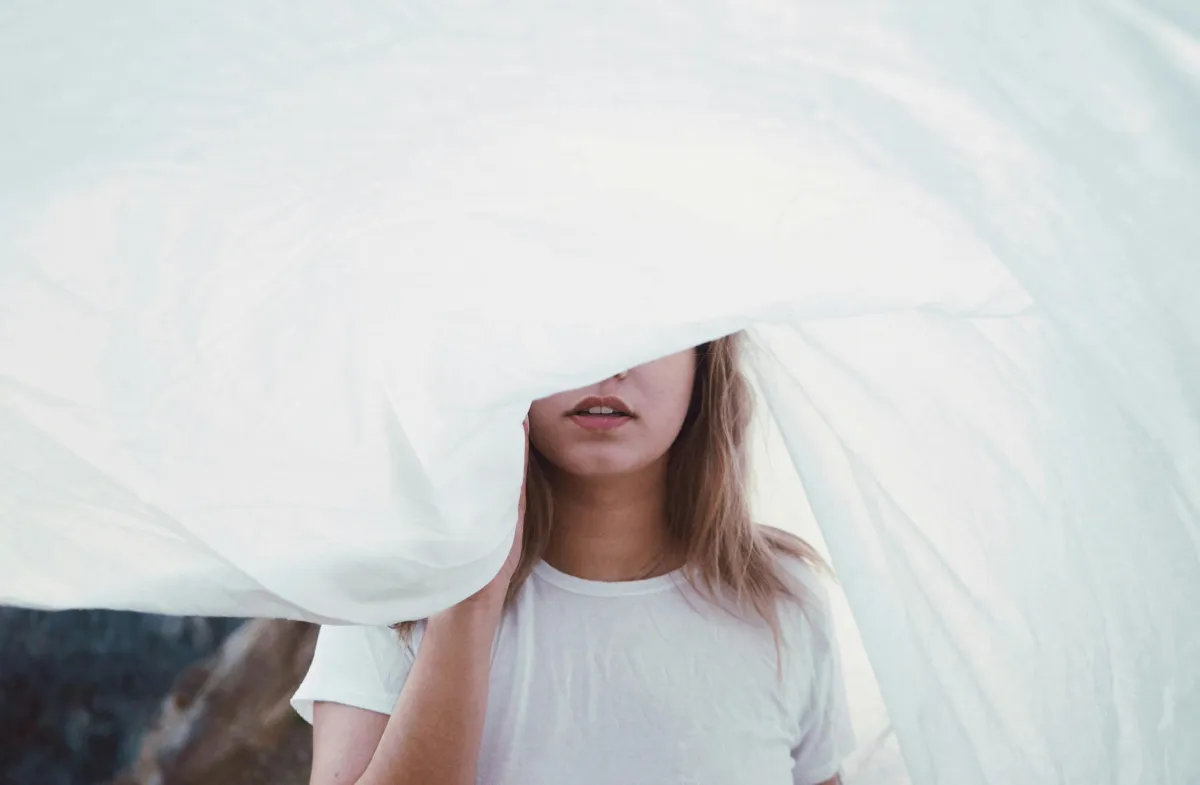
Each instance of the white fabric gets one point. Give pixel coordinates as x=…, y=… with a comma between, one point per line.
x=633, y=682
x=278, y=282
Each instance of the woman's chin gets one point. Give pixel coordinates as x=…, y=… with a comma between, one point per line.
x=607, y=461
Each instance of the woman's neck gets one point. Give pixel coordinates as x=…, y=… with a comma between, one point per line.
x=611, y=528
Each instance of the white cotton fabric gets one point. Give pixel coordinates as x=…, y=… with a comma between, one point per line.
x=278, y=283
x=632, y=682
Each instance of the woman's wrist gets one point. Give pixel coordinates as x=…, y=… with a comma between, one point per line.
x=485, y=606
x=468, y=626
x=492, y=595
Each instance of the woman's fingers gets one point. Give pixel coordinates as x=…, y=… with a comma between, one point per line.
x=525, y=473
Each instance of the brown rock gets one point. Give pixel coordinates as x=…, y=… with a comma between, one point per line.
x=227, y=720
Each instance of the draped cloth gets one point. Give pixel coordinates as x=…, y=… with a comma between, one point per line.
x=278, y=283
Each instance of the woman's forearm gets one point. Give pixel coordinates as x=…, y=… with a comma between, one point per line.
x=434, y=732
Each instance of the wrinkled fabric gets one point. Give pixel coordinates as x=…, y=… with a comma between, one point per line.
x=277, y=285
x=641, y=681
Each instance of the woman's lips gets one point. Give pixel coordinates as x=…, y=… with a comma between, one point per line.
x=611, y=402
x=599, y=422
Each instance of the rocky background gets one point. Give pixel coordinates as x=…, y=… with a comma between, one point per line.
x=79, y=691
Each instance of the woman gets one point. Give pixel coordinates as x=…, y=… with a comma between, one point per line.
x=642, y=630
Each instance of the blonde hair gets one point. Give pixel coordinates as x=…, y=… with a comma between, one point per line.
x=727, y=557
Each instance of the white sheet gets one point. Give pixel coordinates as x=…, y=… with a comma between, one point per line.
x=278, y=283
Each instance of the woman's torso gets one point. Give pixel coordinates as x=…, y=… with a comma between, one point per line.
x=635, y=682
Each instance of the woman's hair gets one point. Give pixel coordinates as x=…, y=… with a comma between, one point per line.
x=727, y=556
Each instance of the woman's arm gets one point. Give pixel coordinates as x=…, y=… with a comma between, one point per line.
x=435, y=731
x=344, y=739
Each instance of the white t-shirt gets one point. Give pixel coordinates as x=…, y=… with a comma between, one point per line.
x=625, y=683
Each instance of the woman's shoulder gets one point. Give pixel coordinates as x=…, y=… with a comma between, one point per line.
x=382, y=647
x=357, y=666
x=797, y=562
x=806, y=603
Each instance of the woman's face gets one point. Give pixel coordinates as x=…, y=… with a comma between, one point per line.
x=620, y=425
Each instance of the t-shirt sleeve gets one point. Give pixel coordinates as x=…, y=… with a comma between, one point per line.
x=364, y=667
x=826, y=735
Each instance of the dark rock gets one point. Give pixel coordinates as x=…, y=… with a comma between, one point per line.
x=78, y=688
x=227, y=720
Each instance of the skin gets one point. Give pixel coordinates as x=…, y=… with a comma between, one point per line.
x=609, y=494
x=609, y=487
